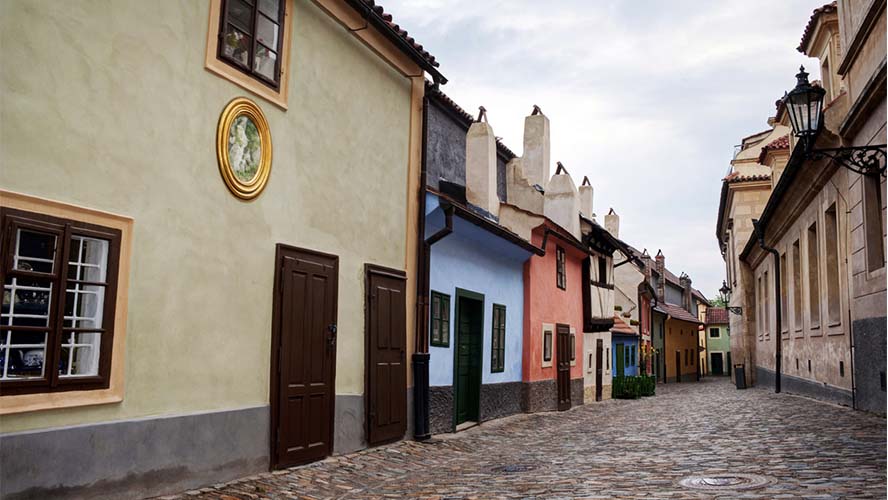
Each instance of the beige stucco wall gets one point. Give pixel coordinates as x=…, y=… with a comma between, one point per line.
x=109, y=106
x=589, y=345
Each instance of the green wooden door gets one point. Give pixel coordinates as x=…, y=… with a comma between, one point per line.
x=469, y=338
x=621, y=361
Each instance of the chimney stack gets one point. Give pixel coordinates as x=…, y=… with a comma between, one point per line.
x=648, y=263
x=661, y=276
x=536, y=147
x=561, y=203
x=685, y=282
x=481, y=165
x=586, y=198
x=612, y=223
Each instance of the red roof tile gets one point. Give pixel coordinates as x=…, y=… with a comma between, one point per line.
x=775, y=145
x=380, y=11
x=621, y=327
x=735, y=177
x=676, y=312
x=809, y=29
x=717, y=316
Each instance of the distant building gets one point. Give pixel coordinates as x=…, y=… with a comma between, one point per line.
x=718, y=341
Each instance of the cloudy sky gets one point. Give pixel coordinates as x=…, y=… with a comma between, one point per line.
x=647, y=98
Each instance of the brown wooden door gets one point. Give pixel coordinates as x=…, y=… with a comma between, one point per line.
x=563, y=365
x=304, y=356
x=386, y=335
x=599, y=369
x=678, y=366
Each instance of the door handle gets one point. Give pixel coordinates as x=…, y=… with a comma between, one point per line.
x=331, y=335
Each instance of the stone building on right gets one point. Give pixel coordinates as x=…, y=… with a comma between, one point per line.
x=804, y=237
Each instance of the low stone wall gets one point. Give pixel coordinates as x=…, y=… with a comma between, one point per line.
x=869, y=363
x=576, y=392
x=541, y=395
x=500, y=400
x=802, y=387
x=441, y=409
x=589, y=393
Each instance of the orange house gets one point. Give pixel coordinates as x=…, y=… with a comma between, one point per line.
x=553, y=321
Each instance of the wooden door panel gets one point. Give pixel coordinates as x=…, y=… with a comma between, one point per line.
x=563, y=366
x=386, y=385
x=304, y=360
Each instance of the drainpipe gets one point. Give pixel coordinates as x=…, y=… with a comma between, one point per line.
x=421, y=356
x=778, y=349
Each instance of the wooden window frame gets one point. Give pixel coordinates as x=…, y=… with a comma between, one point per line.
x=560, y=272
x=234, y=73
x=442, y=316
x=498, y=338
x=548, y=335
x=717, y=331
x=12, y=220
x=256, y=12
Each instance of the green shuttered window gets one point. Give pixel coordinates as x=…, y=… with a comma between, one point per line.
x=440, y=320
x=498, y=348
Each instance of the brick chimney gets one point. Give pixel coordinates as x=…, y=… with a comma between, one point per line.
x=586, y=198
x=562, y=202
x=481, y=165
x=648, y=263
x=612, y=223
x=685, y=282
x=661, y=276
x=535, y=157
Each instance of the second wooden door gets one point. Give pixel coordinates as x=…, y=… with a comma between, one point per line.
x=563, y=370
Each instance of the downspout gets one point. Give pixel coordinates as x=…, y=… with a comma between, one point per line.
x=778, y=357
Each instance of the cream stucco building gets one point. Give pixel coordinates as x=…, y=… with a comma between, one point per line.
x=110, y=114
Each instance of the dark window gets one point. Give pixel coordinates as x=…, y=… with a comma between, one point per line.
x=809, y=365
x=602, y=270
x=440, y=320
x=813, y=276
x=573, y=347
x=797, y=364
x=560, y=277
x=714, y=333
x=872, y=222
x=59, y=292
x=547, y=345
x=251, y=37
x=833, y=295
x=498, y=349
x=841, y=368
x=608, y=357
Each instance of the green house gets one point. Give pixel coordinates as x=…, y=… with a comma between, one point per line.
x=718, y=341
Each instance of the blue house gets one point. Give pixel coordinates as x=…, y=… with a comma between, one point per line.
x=476, y=273
x=624, y=342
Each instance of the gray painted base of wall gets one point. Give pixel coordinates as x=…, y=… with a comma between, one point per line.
x=348, y=428
x=764, y=377
x=541, y=395
x=134, y=458
x=497, y=401
x=577, y=396
x=869, y=363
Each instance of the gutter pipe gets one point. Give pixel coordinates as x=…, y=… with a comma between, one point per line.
x=778, y=349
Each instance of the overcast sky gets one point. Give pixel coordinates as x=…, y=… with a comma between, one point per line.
x=647, y=98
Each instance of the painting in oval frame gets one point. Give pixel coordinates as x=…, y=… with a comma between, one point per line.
x=243, y=148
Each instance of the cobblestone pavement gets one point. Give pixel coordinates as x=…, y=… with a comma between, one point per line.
x=614, y=449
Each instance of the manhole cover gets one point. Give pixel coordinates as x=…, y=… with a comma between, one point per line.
x=514, y=468
x=725, y=482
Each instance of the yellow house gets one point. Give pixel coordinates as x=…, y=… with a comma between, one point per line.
x=226, y=193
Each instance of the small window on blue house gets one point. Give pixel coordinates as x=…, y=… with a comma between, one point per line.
x=440, y=312
x=498, y=349
x=632, y=356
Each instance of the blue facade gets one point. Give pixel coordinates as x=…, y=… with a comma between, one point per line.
x=478, y=261
x=627, y=347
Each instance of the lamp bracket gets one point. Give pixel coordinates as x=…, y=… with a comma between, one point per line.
x=865, y=160
x=736, y=310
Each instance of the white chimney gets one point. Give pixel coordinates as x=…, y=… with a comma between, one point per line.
x=562, y=202
x=481, y=165
x=612, y=223
x=536, y=147
x=586, y=198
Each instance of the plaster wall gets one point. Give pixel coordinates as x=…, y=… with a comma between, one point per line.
x=824, y=340
x=562, y=203
x=474, y=260
x=721, y=344
x=626, y=280
x=680, y=336
x=115, y=111
x=545, y=303
x=590, y=364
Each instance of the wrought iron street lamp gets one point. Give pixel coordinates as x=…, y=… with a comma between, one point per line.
x=804, y=104
x=725, y=290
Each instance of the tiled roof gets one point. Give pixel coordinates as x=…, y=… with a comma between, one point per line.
x=717, y=316
x=775, y=145
x=809, y=29
x=735, y=177
x=676, y=312
x=621, y=327
x=467, y=118
x=380, y=11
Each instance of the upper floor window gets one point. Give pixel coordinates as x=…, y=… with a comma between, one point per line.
x=602, y=269
x=59, y=291
x=813, y=276
x=560, y=275
x=833, y=294
x=714, y=333
x=873, y=223
x=251, y=38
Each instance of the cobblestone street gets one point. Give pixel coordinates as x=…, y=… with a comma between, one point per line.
x=615, y=449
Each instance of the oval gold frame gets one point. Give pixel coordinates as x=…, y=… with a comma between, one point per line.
x=237, y=107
